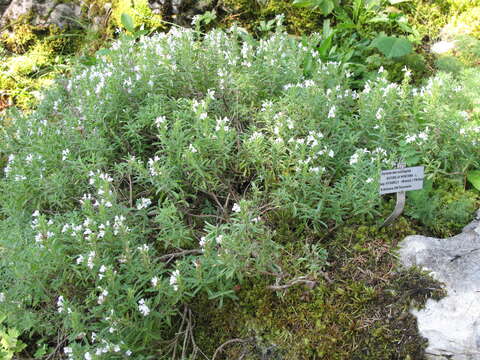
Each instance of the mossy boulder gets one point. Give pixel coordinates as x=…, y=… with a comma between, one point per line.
x=46, y=12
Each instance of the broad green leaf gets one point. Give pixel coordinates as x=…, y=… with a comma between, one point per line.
x=474, y=178
x=391, y=46
x=327, y=6
x=393, y=2
x=127, y=22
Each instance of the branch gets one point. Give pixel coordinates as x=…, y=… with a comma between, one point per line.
x=171, y=256
x=301, y=280
x=221, y=347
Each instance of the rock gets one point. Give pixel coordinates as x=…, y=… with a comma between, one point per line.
x=64, y=15
x=42, y=12
x=4, y=5
x=180, y=12
x=451, y=325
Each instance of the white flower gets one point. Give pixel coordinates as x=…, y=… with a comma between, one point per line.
x=423, y=136
x=38, y=237
x=91, y=256
x=192, y=148
x=290, y=124
x=143, y=248
x=369, y=180
x=256, y=135
x=379, y=114
x=331, y=153
x=174, y=279
x=154, y=281
x=65, y=154
x=160, y=120
x=2, y=297
x=219, y=239
x=236, y=208
x=80, y=259
x=211, y=94
x=317, y=169
x=203, y=116
x=128, y=353
x=410, y=139
x=144, y=203
x=354, y=159
x=143, y=308
x=102, y=270
x=407, y=71
x=60, y=304
x=203, y=241
x=102, y=296
x=331, y=113
x=381, y=70
x=88, y=356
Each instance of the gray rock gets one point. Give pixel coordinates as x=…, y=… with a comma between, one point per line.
x=451, y=325
x=65, y=15
x=180, y=12
x=4, y=5
x=42, y=12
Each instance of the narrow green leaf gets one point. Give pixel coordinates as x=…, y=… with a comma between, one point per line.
x=303, y=3
x=325, y=46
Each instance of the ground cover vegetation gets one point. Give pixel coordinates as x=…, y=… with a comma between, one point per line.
x=189, y=189
x=367, y=33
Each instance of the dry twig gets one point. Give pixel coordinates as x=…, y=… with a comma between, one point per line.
x=221, y=347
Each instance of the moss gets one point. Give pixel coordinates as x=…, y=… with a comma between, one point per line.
x=140, y=11
x=19, y=39
x=36, y=51
x=250, y=12
x=429, y=18
x=361, y=313
x=464, y=23
x=444, y=207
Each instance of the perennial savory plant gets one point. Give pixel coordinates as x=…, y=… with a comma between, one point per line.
x=157, y=173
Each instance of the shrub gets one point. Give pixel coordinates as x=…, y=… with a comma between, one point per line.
x=162, y=172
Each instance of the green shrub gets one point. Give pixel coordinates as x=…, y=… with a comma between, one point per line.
x=161, y=174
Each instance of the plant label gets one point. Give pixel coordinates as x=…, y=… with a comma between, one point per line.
x=398, y=180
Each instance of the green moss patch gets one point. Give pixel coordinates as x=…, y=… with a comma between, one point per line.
x=360, y=312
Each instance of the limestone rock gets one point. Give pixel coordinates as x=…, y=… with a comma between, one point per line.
x=42, y=12
x=451, y=325
x=4, y=5
x=180, y=12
